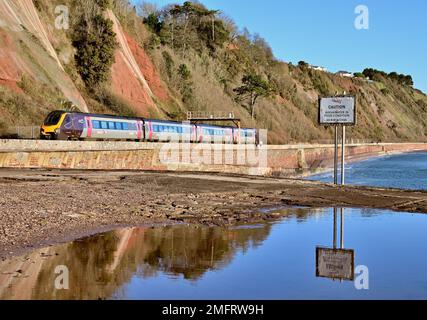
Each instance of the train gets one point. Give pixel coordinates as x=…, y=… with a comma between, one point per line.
x=64, y=125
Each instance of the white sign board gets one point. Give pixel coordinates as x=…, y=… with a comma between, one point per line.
x=335, y=263
x=337, y=111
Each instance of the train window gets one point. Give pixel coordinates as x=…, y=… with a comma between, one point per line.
x=53, y=118
x=104, y=125
x=156, y=128
x=111, y=125
x=96, y=124
x=125, y=126
x=118, y=126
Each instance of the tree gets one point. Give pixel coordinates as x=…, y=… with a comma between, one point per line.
x=154, y=23
x=302, y=64
x=409, y=81
x=253, y=87
x=95, y=43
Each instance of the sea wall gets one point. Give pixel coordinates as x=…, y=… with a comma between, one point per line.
x=285, y=160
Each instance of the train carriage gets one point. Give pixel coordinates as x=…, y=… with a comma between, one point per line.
x=167, y=131
x=215, y=134
x=62, y=125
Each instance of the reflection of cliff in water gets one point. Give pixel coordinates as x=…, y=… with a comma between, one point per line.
x=100, y=265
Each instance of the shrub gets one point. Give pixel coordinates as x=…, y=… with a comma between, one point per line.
x=385, y=91
x=169, y=63
x=184, y=72
x=95, y=43
x=153, y=22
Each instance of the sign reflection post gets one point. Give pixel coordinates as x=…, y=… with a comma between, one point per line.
x=335, y=263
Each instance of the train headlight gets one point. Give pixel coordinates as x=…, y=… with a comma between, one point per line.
x=56, y=131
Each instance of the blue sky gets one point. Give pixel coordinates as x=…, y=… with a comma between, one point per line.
x=323, y=32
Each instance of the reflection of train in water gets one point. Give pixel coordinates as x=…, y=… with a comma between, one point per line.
x=63, y=125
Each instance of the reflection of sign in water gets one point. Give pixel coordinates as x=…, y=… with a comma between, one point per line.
x=337, y=110
x=335, y=263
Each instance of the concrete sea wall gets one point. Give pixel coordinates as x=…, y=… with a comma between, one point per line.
x=273, y=160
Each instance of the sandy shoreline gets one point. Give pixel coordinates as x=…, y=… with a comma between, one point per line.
x=40, y=207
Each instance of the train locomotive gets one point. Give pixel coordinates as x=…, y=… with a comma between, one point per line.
x=63, y=125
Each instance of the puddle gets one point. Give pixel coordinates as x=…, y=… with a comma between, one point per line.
x=275, y=260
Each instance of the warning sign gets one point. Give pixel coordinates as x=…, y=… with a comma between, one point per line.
x=335, y=263
x=337, y=111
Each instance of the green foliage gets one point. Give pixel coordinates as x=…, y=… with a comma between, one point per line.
x=169, y=63
x=95, y=43
x=359, y=75
x=373, y=74
x=40, y=92
x=254, y=87
x=189, y=25
x=401, y=78
x=320, y=83
x=184, y=72
x=153, y=22
x=185, y=85
x=103, y=4
x=378, y=75
x=385, y=91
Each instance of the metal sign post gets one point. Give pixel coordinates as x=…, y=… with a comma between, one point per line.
x=342, y=229
x=336, y=157
x=343, y=156
x=335, y=228
x=338, y=111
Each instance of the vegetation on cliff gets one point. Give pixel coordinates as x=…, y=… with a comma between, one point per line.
x=206, y=63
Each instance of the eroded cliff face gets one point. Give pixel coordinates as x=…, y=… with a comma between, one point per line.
x=27, y=50
x=133, y=75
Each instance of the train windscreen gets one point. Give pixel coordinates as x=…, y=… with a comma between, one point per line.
x=52, y=118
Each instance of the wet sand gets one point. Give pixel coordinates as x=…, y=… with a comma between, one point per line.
x=44, y=207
